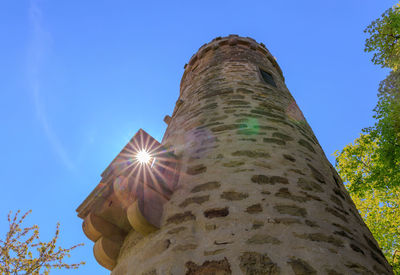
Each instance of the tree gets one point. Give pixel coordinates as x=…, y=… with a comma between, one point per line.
x=21, y=252
x=370, y=165
x=377, y=199
x=373, y=161
x=386, y=131
x=379, y=210
x=384, y=39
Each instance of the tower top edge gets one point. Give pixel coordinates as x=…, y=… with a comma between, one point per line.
x=231, y=40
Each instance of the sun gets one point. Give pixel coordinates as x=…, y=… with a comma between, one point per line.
x=143, y=157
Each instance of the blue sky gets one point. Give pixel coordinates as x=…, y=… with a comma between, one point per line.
x=79, y=78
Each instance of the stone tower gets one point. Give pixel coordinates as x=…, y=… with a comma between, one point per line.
x=245, y=187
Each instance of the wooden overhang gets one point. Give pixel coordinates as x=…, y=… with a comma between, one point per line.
x=130, y=196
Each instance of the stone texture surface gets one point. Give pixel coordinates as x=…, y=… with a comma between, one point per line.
x=256, y=194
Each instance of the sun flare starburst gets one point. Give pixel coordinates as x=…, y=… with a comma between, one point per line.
x=143, y=157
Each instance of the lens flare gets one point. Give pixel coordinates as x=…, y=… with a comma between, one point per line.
x=143, y=157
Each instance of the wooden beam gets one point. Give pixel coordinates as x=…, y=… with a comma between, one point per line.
x=106, y=252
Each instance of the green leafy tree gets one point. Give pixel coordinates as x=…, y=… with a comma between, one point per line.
x=371, y=168
x=379, y=209
x=384, y=38
x=386, y=131
x=21, y=252
x=370, y=165
x=373, y=161
x=377, y=203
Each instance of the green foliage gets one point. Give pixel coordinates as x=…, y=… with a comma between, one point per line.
x=380, y=211
x=371, y=168
x=373, y=161
x=23, y=253
x=377, y=199
x=355, y=164
x=387, y=129
x=370, y=165
x=384, y=39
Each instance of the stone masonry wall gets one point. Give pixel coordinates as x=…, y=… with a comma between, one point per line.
x=256, y=193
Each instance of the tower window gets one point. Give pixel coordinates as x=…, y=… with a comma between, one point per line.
x=268, y=78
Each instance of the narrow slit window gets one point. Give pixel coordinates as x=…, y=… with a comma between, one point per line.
x=268, y=78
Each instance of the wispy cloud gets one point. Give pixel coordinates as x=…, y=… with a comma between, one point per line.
x=40, y=43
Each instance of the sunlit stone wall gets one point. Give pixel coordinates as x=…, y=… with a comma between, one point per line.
x=256, y=193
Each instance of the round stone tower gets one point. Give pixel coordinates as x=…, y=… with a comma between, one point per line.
x=256, y=193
